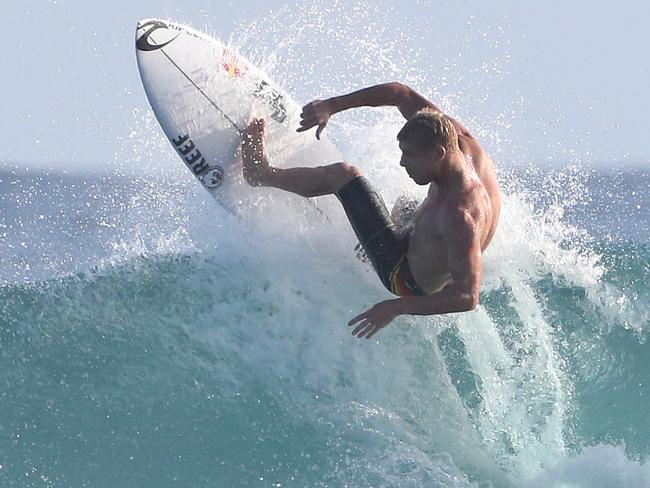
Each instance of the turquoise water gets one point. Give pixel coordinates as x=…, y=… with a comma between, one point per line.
x=148, y=340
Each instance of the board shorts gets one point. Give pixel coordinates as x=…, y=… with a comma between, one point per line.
x=386, y=248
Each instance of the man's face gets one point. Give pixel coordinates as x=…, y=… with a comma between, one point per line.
x=419, y=164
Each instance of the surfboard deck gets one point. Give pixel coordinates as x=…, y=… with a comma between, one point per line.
x=203, y=94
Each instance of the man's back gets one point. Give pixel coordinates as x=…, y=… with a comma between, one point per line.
x=484, y=168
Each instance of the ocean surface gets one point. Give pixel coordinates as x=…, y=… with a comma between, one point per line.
x=147, y=338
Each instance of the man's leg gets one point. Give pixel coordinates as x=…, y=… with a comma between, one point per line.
x=308, y=182
x=363, y=206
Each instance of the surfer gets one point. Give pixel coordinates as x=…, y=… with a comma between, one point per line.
x=433, y=263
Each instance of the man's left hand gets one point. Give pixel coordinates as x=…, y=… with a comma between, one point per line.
x=376, y=318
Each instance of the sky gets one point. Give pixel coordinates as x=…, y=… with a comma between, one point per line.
x=552, y=82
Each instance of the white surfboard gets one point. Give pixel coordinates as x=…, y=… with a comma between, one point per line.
x=204, y=93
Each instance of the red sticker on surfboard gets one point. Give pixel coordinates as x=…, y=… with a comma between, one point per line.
x=231, y=64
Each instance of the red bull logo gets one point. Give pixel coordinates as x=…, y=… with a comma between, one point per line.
x=231, y=64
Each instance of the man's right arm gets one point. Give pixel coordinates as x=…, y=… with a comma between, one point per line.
x=407, y=100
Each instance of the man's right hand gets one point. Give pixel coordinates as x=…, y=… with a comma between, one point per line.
x=315, y=113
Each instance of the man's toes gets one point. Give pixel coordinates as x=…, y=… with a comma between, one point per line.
x=257, y=126
x=250, y=129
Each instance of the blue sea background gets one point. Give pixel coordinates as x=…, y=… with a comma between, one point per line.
x=149, y=338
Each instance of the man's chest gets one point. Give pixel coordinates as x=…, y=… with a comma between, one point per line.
x=428, y=224
x=428, y=254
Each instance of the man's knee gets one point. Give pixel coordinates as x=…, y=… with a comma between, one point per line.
x=341, y=173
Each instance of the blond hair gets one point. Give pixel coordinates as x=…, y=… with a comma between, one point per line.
x=429, y=128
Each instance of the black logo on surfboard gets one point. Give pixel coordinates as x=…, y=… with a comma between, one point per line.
x=211, y=176
x=145, y=43
x=274, y=99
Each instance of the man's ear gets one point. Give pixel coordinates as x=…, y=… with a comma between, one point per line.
x=441, y=152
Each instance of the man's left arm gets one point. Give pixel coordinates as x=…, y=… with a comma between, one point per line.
x=461, y=295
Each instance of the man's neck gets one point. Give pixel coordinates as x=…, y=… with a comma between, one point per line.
x=455, y=173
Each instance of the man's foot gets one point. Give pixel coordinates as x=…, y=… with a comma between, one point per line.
x=255, y=163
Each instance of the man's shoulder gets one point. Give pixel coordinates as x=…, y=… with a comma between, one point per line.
x=465, y=213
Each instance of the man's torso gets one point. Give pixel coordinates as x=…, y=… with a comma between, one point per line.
x=427, y=255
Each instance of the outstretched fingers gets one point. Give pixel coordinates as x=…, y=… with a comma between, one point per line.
x=358, y=318
x=366, y=326
x=314, y=114
x=308, y=121
x=374, y=319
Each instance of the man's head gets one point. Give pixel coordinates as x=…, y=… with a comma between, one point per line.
x=425, y=140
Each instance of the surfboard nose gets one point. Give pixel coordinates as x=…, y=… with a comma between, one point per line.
x=144, y=34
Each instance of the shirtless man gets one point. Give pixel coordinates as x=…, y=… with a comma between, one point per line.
x=435, y=266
